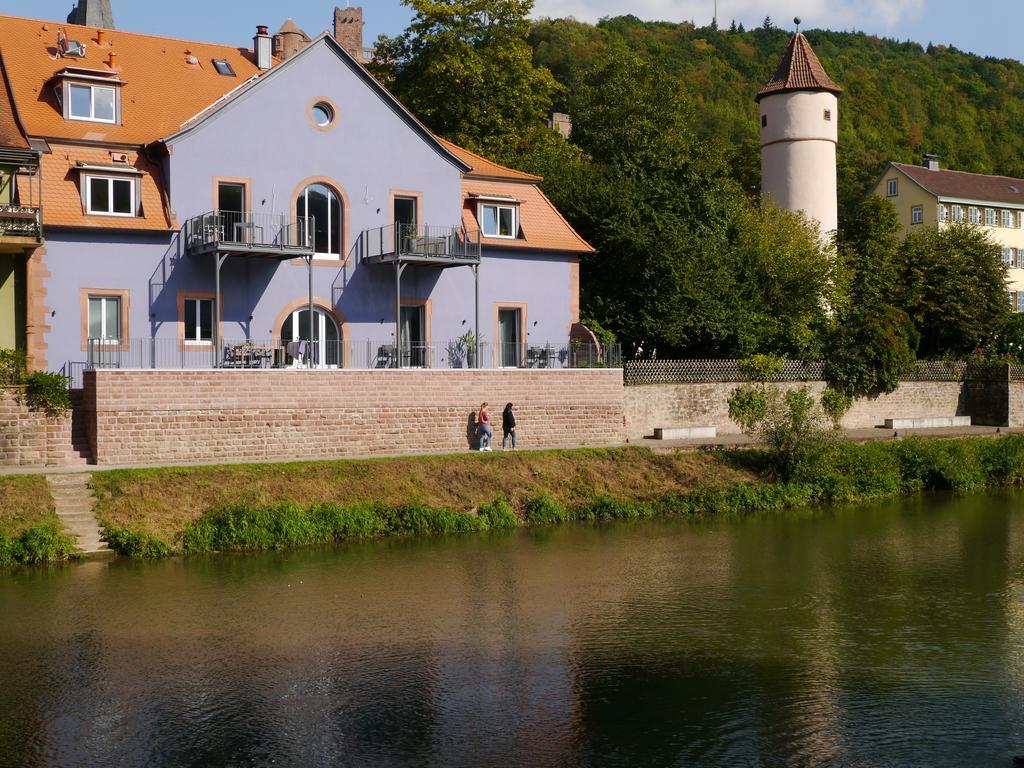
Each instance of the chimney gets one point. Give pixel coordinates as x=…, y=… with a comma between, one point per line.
x=112, y=60
x=931, y=162
x=348, y=30
x=261, y=47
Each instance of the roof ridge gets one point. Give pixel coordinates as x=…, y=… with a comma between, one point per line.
x=963, y=173
x=120, y=32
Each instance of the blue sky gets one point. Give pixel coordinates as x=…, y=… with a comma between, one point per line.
x=988, y=27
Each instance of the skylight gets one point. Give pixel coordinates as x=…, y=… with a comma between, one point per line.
x=223, y=67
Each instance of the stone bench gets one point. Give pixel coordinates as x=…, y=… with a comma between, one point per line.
x=929, y=422
x=684, y=433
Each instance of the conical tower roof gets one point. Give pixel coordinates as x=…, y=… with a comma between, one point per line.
x=799, y=70
x=92, y=13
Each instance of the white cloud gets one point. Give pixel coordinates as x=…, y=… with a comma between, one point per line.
x=878, y=16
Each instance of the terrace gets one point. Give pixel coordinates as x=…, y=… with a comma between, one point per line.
x=21, y=219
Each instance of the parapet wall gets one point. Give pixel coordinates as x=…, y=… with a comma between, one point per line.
x=251, y=415
x=32, y=439
x=649, y=406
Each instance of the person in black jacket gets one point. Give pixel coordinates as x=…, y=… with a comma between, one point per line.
x=508, y=427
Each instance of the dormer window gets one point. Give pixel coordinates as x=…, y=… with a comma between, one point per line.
x=90, y=95
x=110, y=196
x=92, y=102
x=223, y=67
x=499, y=219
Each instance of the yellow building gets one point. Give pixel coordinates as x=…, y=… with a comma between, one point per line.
x=928, y=196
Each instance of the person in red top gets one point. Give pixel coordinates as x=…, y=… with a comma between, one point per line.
x=483, y=422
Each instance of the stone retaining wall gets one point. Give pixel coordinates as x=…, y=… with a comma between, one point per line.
x=650, y=406
x=29, y=438
x=182, y=416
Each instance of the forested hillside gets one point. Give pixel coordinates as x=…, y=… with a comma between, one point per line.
x=901, y=99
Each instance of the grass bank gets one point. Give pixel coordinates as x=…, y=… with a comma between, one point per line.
x=156, y=512
x=29, y=529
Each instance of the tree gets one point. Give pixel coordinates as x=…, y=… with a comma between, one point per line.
x=464, y=68
x=953, y=286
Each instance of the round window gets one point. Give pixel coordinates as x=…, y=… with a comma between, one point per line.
x=323, y=114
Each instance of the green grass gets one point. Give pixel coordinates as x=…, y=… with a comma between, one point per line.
x=29, y=529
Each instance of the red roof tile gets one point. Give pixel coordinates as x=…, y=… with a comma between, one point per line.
x=799, y=70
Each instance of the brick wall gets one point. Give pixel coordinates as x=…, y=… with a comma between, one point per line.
x=684, y=405
x=180, y=416
x=31, y=439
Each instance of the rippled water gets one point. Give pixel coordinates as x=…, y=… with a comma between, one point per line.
x=877, y=636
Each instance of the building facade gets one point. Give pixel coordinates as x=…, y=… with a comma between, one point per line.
x=209, y=205
x=929, y=196
x=799, y=113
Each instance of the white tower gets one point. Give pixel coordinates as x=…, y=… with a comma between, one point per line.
x=799, y=133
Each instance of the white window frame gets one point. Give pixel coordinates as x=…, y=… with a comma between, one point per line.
x=514, y=207
x=88, y=179
x=327, y=255
x=892, y=188
x=917, y=214
x=973, y=214
x=991, y=218
x=1020, y=302
x=943, y=213
x=1007, y=256
x=1007, y=218
x=91, y=117
x=957, y=214
x=103, y=299
x=198, y=320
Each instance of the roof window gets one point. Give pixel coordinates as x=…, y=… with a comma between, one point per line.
x=223, y=68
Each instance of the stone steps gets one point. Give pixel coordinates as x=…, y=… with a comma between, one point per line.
x=75, y=502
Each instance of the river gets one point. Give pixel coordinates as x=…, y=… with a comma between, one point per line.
x=871, y=636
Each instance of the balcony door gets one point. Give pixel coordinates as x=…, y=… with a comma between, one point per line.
x=413, y=345
x=326, y=340
x=231, y=204
x=508, y=338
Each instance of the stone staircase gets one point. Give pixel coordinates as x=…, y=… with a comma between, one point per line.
x=74, y=501
x=81, y=453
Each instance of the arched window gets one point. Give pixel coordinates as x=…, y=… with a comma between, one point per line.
x=324, y=205
x=326, y=341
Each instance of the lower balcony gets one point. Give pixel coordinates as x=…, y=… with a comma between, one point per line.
x=255, y=234
x=20, y=227
x=357, y=354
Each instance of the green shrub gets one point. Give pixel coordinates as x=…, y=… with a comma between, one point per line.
x=607, y=508
x=134, y=544
x=544, y=510
x=48, y=392
x=762, y=368
x=1003, y=460
x=748, y=406
x=835, y=403
x=499, y=514
x=13, y=365
x=44, y=543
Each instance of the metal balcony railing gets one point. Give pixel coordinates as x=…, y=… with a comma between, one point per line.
x=254, y=232
x=425, y=243
x=20, y=221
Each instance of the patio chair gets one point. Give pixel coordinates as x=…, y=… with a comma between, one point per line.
x=385, y=356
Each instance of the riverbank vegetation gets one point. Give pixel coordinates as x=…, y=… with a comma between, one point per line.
x=157, y=512
x=29, y=529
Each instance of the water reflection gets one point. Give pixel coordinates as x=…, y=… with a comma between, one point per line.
x=882, y=635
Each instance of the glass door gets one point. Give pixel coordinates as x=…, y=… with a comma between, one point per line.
x=231, y=204
x=508, y=338
x=412, y=345
x=325, y=349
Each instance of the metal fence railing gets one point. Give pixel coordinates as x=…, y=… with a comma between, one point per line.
x=365, y=354
x=255, y=231
x=420, y=241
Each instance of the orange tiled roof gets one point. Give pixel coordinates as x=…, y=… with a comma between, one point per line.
x=799, y=70
x=161, y=89
x=62, y=206
x=542, y=225
x=10, y=134
x=483, y=167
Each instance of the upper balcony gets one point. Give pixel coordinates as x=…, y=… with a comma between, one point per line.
x=21, y=221
x=253, y=234
x=422, y=244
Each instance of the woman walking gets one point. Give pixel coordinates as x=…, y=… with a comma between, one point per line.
x=483, y=422
x=508, y=427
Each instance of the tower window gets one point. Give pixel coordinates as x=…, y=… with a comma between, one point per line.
x=764, y=121
x=828, y=115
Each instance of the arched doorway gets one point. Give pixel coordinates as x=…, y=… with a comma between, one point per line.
x=326, y=349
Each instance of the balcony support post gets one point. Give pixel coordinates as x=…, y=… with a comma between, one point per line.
x=219, y=259
x=399, y=269
x=476, y=312
x=309, y=344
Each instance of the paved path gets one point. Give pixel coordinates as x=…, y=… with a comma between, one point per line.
x=75, y=502
x=720, y=442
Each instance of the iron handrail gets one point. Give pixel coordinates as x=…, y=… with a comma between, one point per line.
x=250, y=230
x=421, y=241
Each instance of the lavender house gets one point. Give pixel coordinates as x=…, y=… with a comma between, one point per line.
x=206, y=205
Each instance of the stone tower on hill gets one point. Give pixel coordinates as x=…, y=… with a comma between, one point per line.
x=92, y=13
x=348, y=30
x=799, y=110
